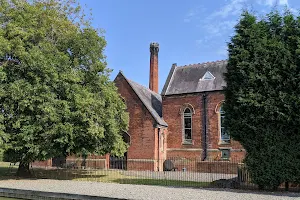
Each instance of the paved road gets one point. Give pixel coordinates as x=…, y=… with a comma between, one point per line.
x=140, y=191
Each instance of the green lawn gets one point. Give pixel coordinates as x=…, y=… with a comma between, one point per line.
x=108, y=176
x=176, y=183
x=7, y=171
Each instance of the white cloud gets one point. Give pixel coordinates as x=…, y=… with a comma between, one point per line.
x=283, y=2
x=218, y=28
x=215, y=26
x=199, y=42
x=273, y=2
x=189, y=16
x=234, y=7
x=193, y=14
x=219, y=24
x=222, y=51
x=204, y=41
x=294, y=11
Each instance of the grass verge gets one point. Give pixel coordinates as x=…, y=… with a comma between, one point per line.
x=107, y=176
x=162, y=182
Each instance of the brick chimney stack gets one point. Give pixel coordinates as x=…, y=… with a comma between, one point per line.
x=153, y=80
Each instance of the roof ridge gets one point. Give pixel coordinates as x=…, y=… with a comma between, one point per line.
x=152, y=110
x=203, y=63
x=143, y=86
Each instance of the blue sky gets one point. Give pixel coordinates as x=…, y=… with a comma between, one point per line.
x=188, y=32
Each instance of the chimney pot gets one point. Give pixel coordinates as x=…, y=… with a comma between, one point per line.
x=154, y=47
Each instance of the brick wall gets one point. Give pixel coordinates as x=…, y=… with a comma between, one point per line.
x=172, y=106
x=171, y=113
x=196, y=165
x=42, y=164
x=222, y=167
x=92, y=162
x=185, y=163
x=141, y=165
x=236, y=155
x=141, y=124
x=184, y=153
x=214, y=101
x=162, y=148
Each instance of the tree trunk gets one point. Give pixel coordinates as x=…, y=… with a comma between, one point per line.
x=261, y=187
x=286, y=186
x=275, y=188
x=23, y=170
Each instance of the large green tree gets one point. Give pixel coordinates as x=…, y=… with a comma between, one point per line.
x=263, y=95
x=55, y=94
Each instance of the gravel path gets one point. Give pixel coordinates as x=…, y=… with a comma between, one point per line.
x=140, y=191
x=179, y=175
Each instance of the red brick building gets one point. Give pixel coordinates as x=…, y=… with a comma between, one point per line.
x=147, y=128
x=192, y=106
x=184, y=122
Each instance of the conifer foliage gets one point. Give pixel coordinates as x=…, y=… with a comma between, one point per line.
x=56, y=98
x=263, y=95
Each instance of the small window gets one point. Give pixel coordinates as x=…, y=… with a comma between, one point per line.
x=224, y=136
x=208, y=76
x=162, y=140
x=225, y=154
x=187, y=119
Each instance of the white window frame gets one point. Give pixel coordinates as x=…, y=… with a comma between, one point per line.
x=221, y=127
x=184, y=116
x=209, y=74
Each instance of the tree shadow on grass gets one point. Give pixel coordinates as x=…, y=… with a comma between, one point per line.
x=7, y=173
x=65, y=174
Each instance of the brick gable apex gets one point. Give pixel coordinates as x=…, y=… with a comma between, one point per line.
x=151, y=100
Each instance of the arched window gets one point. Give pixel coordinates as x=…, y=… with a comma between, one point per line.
x=187, y=125
x=224, y=136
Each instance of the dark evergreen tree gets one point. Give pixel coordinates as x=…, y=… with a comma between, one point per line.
x=263, y=95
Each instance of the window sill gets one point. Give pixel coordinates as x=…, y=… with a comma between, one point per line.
x=224, y=142
x=225, y=159
x=187, y=143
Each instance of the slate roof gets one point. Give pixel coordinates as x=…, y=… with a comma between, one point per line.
x=187, y=79
x=151, y=100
